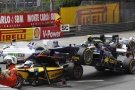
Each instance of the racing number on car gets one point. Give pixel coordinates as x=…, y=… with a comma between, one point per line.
x=65, y=28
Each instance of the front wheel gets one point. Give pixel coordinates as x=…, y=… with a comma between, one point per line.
x=19, y=82
x=86, y=55
x=129, y=65
x=75, y=71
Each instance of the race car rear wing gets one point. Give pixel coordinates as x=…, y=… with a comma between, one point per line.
x=114, y=38
x=103, y=37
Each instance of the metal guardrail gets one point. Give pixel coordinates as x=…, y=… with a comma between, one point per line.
x=100, y=29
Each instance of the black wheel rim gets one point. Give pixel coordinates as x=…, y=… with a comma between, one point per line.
x=78, y=72
x=132, y=66
x=18, y=82
x=88, y=57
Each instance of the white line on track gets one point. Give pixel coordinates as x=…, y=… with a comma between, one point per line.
x=2, y=86
x=88, y=81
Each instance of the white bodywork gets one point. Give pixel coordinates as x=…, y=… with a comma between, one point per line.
x=24, y=50
x=50, y=43
x=21, y=50
x=123, y=49
x=125, y=41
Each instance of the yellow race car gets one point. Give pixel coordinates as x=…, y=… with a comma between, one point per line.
x=46, y=69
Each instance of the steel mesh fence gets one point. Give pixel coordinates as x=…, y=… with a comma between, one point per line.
x=97, y=13
x=17, y=6
x=127, y=12
x=121, y=12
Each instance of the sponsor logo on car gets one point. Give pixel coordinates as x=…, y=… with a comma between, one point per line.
x=20, y=56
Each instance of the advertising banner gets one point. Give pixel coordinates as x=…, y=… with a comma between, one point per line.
x=6, y=35
x=36, y=33
x=65, y=27
x=26, y=19
x=90, y=14
x=50, y=32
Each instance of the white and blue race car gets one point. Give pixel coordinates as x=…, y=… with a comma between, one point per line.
x=129, y=42
x=25, y=50
x=22, y=50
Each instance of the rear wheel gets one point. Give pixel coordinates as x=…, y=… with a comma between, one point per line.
x=129, y=65
x=75, y=71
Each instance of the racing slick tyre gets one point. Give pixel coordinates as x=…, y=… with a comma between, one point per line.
x=19, y=82
x=39, y=48
x=86, y=55
x=74, y=71
x=129, y=65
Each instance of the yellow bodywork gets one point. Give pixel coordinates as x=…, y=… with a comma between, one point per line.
x=53, y=72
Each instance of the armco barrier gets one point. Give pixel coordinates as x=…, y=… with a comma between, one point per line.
x=100, y=29
x=72, y=31
x=105, y=28
x=6, y=35
x=26, y=34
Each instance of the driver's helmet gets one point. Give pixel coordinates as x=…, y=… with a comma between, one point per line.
x=12, y=42
x=10, y=59
x=55, y=43
x=45, y=52
x=90, y=39
x=28, y=63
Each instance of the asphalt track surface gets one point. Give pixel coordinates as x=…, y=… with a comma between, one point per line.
x=92, y=79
